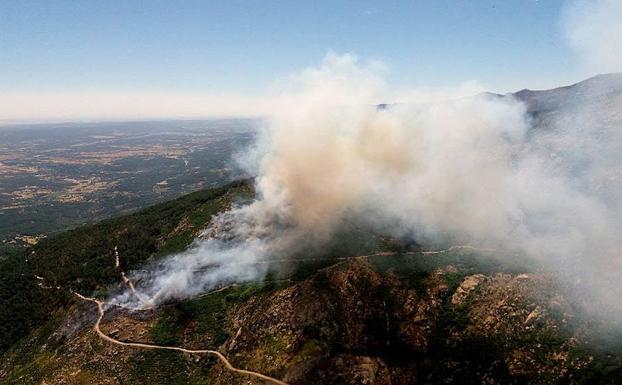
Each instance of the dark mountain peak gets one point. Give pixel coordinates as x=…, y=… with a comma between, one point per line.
x=523, y=93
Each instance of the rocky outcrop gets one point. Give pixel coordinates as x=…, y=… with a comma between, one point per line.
x=351, y=323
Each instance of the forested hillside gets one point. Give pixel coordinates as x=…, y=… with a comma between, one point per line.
x=82, y=259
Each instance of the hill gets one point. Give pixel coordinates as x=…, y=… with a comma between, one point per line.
x=369, y=309
x=384, y=313
x=80, y=259
x=596, y=89
x=590, y=104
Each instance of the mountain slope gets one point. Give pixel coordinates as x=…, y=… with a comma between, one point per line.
x=593, y=104
x=381, y=319
x=80, y=259
x=369, y=310
x=596, y=89
x=395, y=316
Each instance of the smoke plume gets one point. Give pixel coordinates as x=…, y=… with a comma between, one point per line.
x=594, y=30
x=471, y=170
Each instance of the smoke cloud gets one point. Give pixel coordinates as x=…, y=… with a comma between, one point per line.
x=470, y=170
x=594, y=30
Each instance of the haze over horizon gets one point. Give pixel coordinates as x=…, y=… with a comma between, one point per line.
x=311, y=193
x=73, y=61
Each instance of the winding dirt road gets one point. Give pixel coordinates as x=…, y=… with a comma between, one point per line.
x=221, y=357
x=378, y=254
x=100, y=307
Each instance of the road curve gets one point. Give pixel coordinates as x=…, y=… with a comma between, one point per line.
x=221, y=357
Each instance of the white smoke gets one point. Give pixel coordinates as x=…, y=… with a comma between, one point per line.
x=594, y=30
x=468, y=169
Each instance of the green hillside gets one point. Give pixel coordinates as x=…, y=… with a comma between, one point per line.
x=368, y=309
x=82, y=259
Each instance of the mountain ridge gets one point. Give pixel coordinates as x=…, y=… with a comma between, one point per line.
x=395, y=316
x=371, y=309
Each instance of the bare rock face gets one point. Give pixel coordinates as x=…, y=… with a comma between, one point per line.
x=350, y=324
x=347, y=324
x=469, y=284
x=358, y=370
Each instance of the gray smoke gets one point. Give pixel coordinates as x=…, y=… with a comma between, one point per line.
x=472, y=170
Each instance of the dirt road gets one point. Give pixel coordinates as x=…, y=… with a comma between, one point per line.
x=221, y=357
x=100, y=307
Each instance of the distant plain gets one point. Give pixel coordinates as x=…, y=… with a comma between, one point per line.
x=57, y=176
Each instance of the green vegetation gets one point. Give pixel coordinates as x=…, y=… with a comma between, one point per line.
x=164, y=332
x=311, y=348
x=23, y=303
x=83, y=259
x=466, y=261
x=159, y=367
x=206, y=313
x=603, y=345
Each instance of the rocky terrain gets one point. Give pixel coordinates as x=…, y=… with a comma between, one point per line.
x=371, y=309
x=363, y=321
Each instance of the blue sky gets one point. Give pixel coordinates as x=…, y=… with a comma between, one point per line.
x=242, y=46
